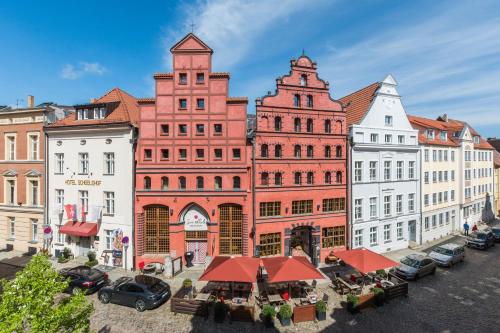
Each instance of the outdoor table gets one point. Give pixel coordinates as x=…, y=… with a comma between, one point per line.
x=274, y=298
x=203, y=296
x=352, y=287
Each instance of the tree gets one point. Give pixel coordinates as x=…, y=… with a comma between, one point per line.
x=33, y=302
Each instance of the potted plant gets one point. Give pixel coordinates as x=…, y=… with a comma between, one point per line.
x=187, y=285
x=381, y=272
x=285, y=314
x=220, y=311
x=268, y=314
x=92, y=259
x=321, y=310
x=352, y=302
x=379, y=296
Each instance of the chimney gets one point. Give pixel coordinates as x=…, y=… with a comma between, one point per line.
x=445, y=117
x=93, y=100
x=31, y=101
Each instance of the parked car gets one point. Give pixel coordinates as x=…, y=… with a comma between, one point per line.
x=448, y=254
x=414, y=266
x=84, y=278
x=142, y=292
x=480, y=240
x=496, y=233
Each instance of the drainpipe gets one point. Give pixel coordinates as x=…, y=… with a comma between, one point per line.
x=350, y=143
x=134, y=146
x=46, y=178
x=254, y=219
x=421, y=193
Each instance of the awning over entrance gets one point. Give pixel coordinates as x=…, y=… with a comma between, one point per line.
x=364, y=260
x=287, y=269
x=84, y=229
x=232, y=269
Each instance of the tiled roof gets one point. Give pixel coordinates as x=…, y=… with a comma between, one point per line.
x=358, y=103
x=459, y=125
x=218, y=74
x=495, y=143
x=237, y=99
x=126, y=111
x=163, y=75
x=146, y=100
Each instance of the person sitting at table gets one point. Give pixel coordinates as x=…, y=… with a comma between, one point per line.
x=285, y=295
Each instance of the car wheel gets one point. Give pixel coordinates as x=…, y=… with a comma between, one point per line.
x=104, y=298
x=434, y=270
x=140, y=305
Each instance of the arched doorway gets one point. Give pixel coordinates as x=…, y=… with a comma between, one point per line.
x=231, y=229
x=196, y=220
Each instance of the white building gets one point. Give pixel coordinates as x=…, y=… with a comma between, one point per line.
x=90, y=168
x=384, y=169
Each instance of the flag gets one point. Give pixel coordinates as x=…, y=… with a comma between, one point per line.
x=71, y=212
x=95, y=212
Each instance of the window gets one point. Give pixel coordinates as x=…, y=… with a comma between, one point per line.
x=83, y=199
x=182, y=183
x=108, y=238
x=426, y=155
x=388, y=138
x=358, y=171
x=452, y=195
x=387, y=233
x=297, y=178
x=217, y=129
x=426, y=177
x=333, y=236
x=148, y=154
x=33, y=146
x=399, y=230
x=109, y=163
x=270, y=244
x=277, y=124
x=182, y=103
x=277, y=151
x=11, y=191
x=59, y=199
x=147, y=183
x=182, y=129
x=164, y=183
x=399, y=204
x=236, y=183
x=33, y=196
x=12, y=224
x=309, y=125
x=303, y=80
x=358, y=209
x=338, y=151
x=218, y=183
x=296, y=100
x=278, y=179
x=200, y=78
x=387, y=205
x=373, y=170
x=328, y=152
x=109, y=203
x=441, y=219
x=200, y=184
x=440, y=155
x=452, y=156
x=426, y=223
x=310, y=178
x=264, y=179
x=297, y=125
x=445, y=155
x=328, y=126
x=434, y=198
x=373, y=236
x=399, y=170
x=411, y=170
x=442, y=136
x=447, y=219
x=165, y=154
x=302, y=207
x=358, y=238
x=59, y=163
x=373, y=138
x=218, y=153
x=338, y=177
x=387, y=170
x=445, y=176
x=200, y=129
x=333, y=205
x=373, y=207
x=200, y=154
x=236, y=153
x=156, y=229
x=411, y=202
x=11, y=147
x=388, y=120
x=434, y=176
x=434, y=221
x=267, y=209
x=328, y=177
x=34, y=230
x=264, y=150
x=310, y=151
x=182, y=154
x=434, y=155
x=83, y=163
x=426, y=200
x=430, y=134
x=309, y=101
x=401, y=139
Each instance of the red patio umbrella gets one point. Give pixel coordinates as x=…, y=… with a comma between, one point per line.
x=288, y=269
x=231, y=269
x=364, y=260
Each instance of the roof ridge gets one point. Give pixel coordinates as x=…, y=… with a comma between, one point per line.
x=357, y=91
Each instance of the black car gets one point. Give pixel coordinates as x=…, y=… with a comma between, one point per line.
x=142, y=292
x=84, y=278
x=496, y=233
x=480, y=240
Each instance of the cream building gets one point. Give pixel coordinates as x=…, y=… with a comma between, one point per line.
x=496, y=174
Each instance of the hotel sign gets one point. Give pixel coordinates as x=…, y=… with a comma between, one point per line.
x=195, y=220
x=84, y=182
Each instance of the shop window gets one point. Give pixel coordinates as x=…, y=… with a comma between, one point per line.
x=333, y=236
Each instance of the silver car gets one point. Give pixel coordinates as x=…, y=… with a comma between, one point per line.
x=415, y=266
x=448, y=254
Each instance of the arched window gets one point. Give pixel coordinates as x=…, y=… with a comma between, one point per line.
x=328, y=177
x=236, y=183
x=297, y=178
x=199, y=183
x=277, y=151
x=264, y=179
x=328, y=151
x=156, y=229
x=338, y=151
x=265, y=122
x=182, y=183
x=147, y=183
x=296, y=100
x=264, y=150
x=297, y=125
x=277, y=124
x=310, y=125
x=310, y=151
x=309, y=101
x=338, y=177
x=278, y=179
x=328, y=126
x=218, y=183
x=303, y=80
x=339, y=127
x=310, y=178
x=297, y=151
x=164, y=183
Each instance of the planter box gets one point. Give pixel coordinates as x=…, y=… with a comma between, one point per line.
x=179, y=304
x=304, y=313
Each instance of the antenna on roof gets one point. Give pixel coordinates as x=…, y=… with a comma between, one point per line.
x=303, y=52
x=192, y=27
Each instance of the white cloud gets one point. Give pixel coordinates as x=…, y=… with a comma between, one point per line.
x=73, y=72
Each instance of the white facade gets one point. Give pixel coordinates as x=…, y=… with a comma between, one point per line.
x=98, y=164
x=384, y=175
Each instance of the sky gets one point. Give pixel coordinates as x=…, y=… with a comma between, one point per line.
x=445, y=55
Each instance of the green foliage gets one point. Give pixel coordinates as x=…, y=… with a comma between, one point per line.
x=62, y=260
x=285, y=311
x=91, y=263
x=378, y=291
x=91, y=255
x=187, y=283
x=268, y=311
x=352, y=299
x=33, y=302
x=321, y=306
x=66, y=252
x=381, y=272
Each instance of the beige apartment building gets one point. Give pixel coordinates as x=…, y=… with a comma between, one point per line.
x=496, y=174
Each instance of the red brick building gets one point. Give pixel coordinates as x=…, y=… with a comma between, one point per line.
x=300, y=168
x=193, y=170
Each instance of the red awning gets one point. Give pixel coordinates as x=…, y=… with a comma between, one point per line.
x=364, y=260
x=232, y=269
x=85, y=229
x=287, y=269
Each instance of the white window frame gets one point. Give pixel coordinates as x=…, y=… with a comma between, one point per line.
x=373, y=207
x=399, y=230
x=411, y=170
x=83, y=163
x=12, y=227
x=83, y=199
x=108, y=239
x=34, y=230
x=33, y=149
x=10, y=146
x=109, y=163
x=358, y=238
x=373, y=236
x=399, y=170
x=7, y=190
x=59, y=163
x=411, y=202
x=358, y=171
x=109, y=202
x=388, y=120
x=387, y=205
x=399, y=204
x=373, y=170
x=387, y=233
x=387, y=170
x=32, y=201
x=358, y=209
x=374, y=138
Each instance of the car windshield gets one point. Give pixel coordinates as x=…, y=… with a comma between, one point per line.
x=410, y=262
x=444, y=251
x=496, y=231
x=158, y=287
x=481, y=236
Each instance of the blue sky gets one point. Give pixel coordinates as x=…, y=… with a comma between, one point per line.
x=445, y=55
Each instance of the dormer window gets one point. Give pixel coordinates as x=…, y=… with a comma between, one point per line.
x=79, y=114
x=303, y=80
x=430, y=134
x=85, y=114
x=99, y=113
x=456, y=134
x=443, y=136
x=476, y=140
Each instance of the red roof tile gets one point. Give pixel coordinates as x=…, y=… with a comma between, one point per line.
x=358, y=103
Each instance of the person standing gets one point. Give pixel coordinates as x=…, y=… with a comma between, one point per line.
x=474, y=227
x=466, y=228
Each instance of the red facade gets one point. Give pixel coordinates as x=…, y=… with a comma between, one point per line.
x=300, y=166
